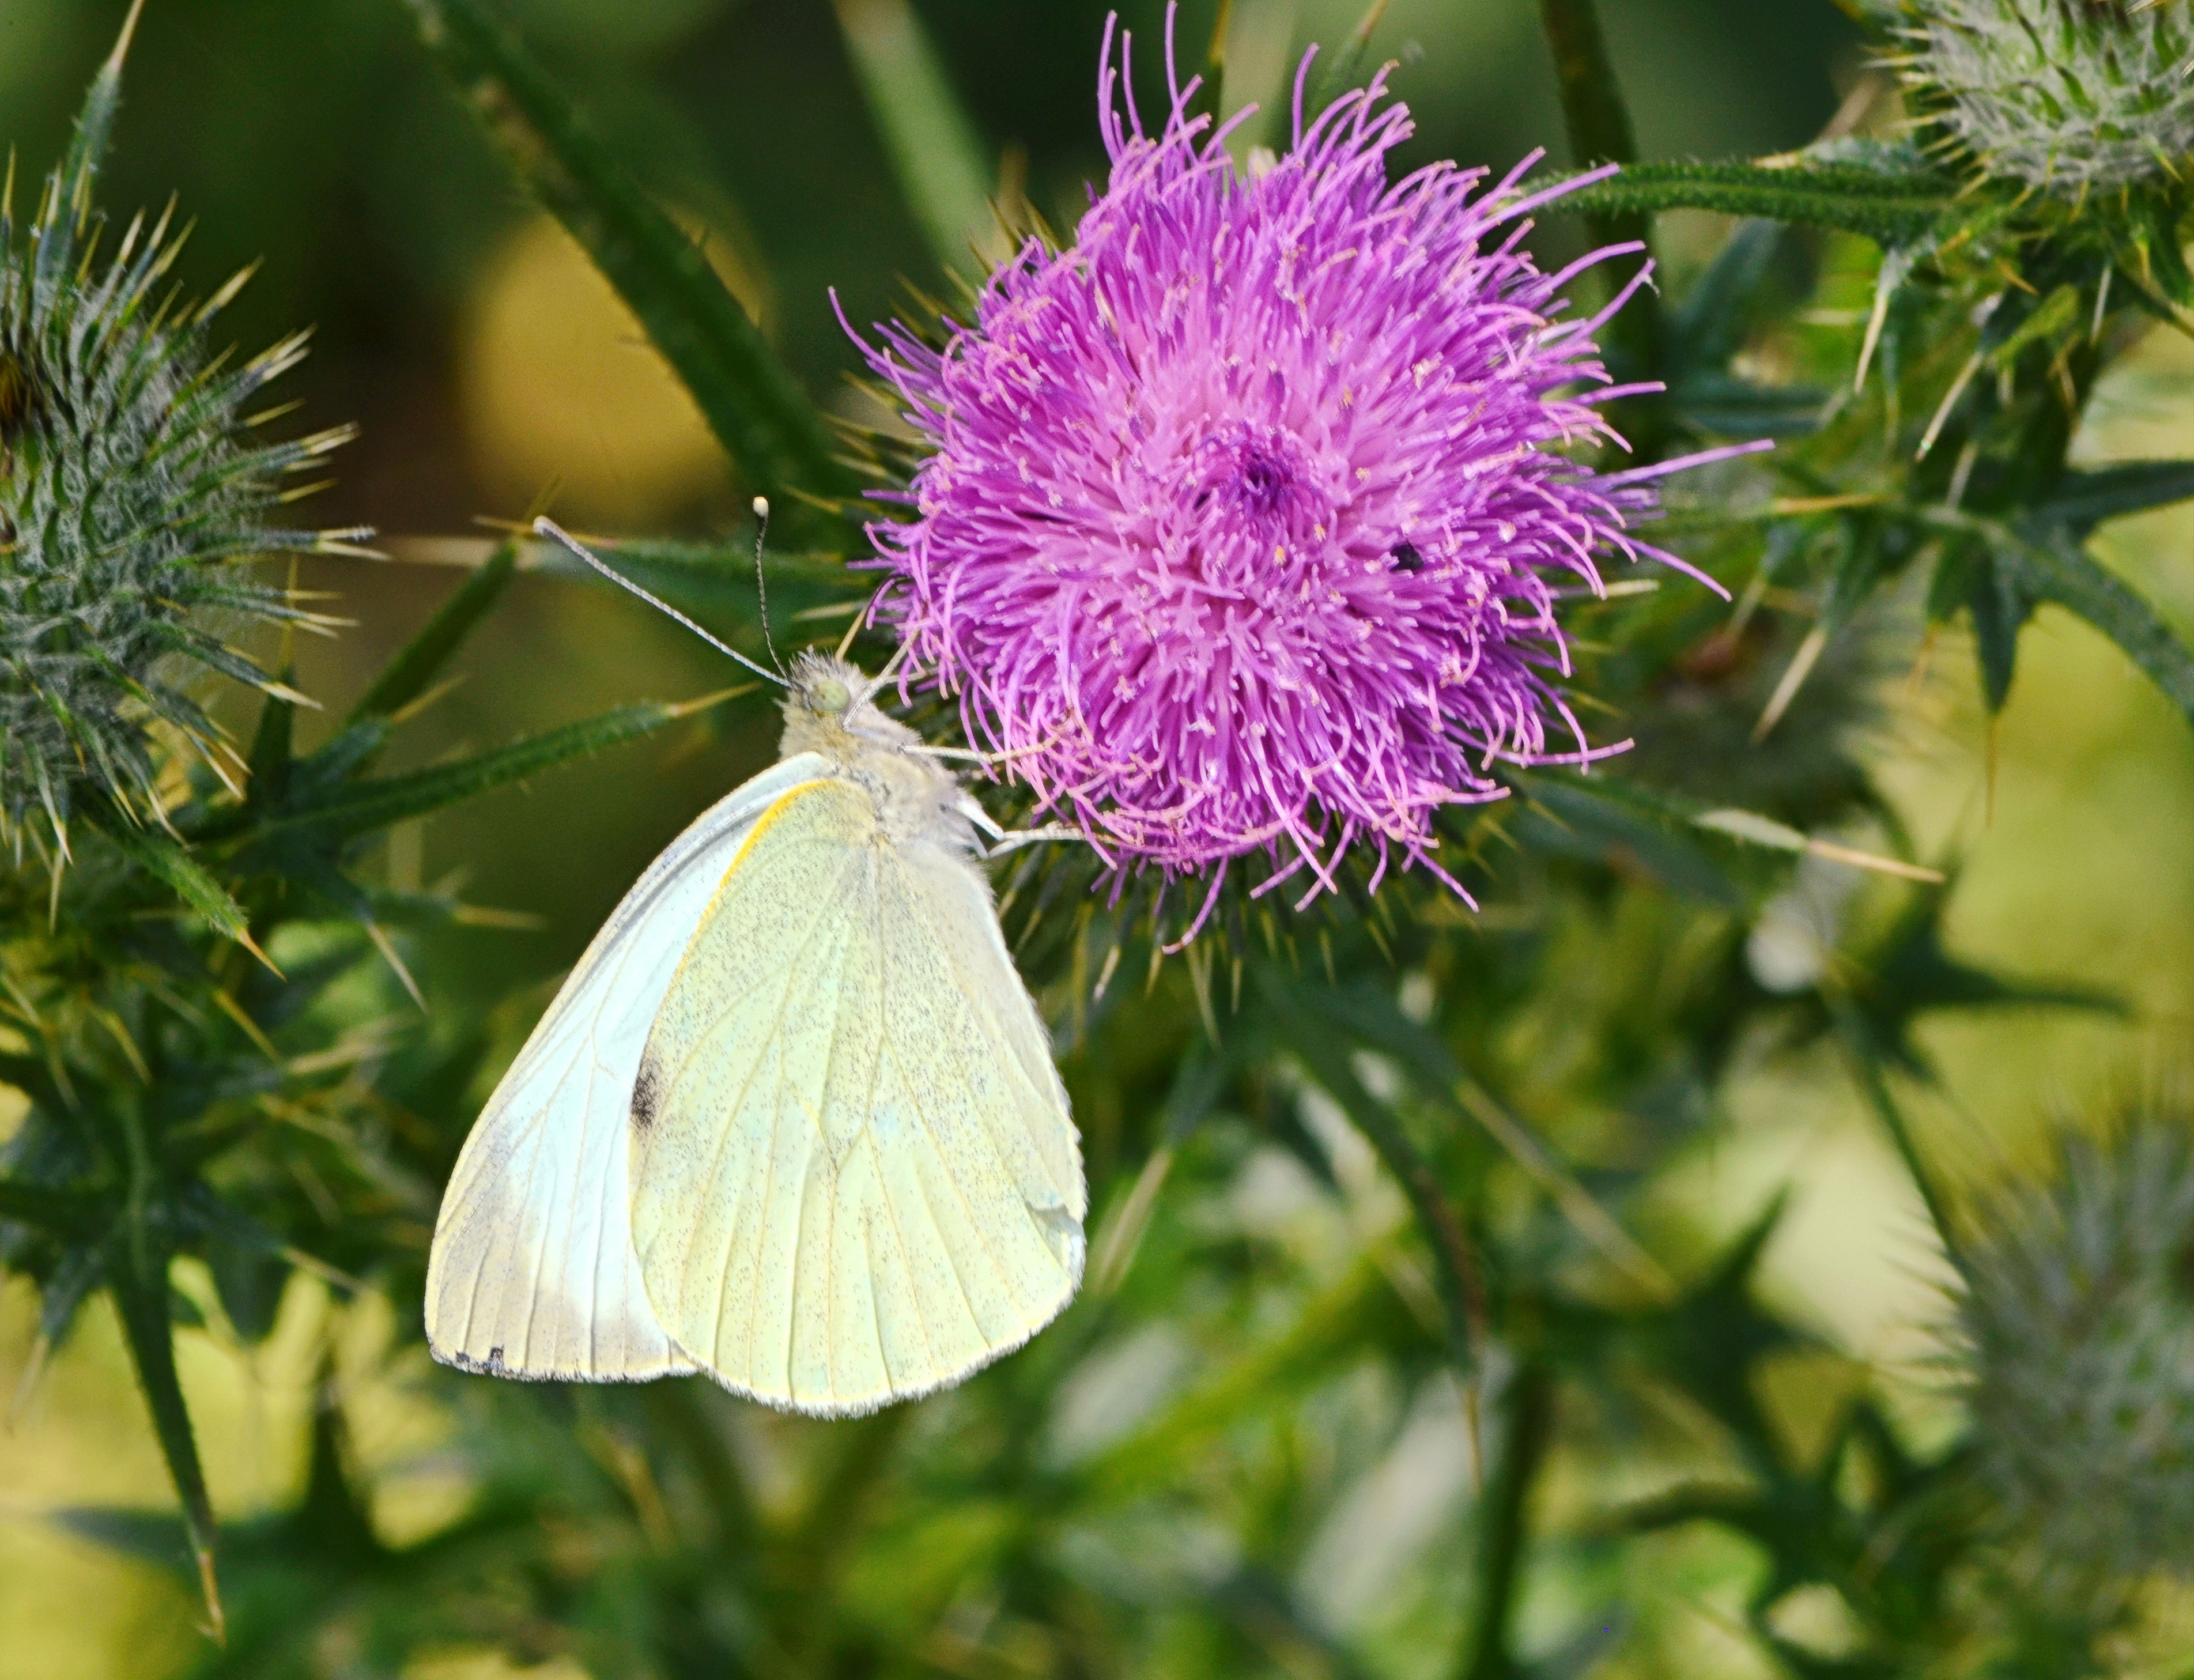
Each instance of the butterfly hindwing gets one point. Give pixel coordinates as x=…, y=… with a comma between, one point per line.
x=532, y=1272
x=854, y=1178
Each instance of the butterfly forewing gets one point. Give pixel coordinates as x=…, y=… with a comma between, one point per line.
x=854, y=1178
x=532, y=1272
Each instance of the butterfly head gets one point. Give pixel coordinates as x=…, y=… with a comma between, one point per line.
x=830, y=709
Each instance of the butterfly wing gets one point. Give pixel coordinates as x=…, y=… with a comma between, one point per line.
x=854, y=1176
x=532, y=1272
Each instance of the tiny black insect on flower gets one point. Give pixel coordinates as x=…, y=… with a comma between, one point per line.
x=1407, y=559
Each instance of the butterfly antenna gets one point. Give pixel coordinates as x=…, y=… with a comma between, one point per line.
x=761, y=587
x=556, y=533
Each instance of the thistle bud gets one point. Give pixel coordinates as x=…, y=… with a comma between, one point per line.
x=131, y=488
x=2078, y=1322
x=2071, y=96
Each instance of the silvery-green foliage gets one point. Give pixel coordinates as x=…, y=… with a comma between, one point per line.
x=2078, y=1315
x=131, y=488
x=2072, y=96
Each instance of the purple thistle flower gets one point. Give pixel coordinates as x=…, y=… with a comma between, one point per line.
x=1247, y=512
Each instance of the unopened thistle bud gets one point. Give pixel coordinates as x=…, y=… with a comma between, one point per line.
x=131, y=487
x=2071, y=96
x=2078, y=1321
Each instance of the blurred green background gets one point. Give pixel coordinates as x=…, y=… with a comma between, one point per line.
x=492, y=372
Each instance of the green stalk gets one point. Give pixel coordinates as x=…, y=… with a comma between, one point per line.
x=1527, y=1428
x=1600, y=132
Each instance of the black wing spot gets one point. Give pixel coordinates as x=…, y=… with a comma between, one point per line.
x=494, y=1358
x=646, y=1096
x=1407, y=559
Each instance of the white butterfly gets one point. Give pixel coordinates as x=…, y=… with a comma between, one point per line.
x=792, y=1121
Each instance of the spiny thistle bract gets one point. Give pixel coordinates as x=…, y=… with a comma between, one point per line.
x=1246, y=515
x=2077, y=1318
x=2071, y=96
x=131, y=488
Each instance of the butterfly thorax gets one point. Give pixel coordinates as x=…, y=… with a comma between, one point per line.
x=830, y=713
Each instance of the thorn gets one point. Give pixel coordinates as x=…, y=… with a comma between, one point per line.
x=122, y=41
x=28, y=1382
x=1989, y=763
x=1793, y=679
x=245, y=940
x=386, y=948
x=688, y=708
x=218, y=1631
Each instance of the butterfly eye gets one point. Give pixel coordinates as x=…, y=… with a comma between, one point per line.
x=829, y=697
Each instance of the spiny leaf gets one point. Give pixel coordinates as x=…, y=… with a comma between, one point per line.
x=407, y=675
x=1357, y=1306
x=1717, y=312
x=165, y=859
x=2081, y=501
x=1339, y=71
x=1325, y=1053
x=1710, y=1341
x=2000, y=611
x=137, y=1273
x=67, y=1211
x=1629, y=807
x=1610, y=828
x=364, y=807
x=2056, y=569
x=273, y=745
x=926, y=133
x=755, y=406
x=1911, y=974
x=1889, y=209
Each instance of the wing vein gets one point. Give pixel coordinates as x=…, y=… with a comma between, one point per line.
x=723, y=1140
x=905, y=1254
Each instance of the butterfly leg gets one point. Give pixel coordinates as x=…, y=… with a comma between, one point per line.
x=1016, y=839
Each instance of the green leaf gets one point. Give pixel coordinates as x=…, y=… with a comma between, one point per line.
x=1717, y=311
x=1625, y=807
x=2081, y=501
x=1213, y=73
x=137, y=1273
x=1339, y=73
x=753, y=403
x=67, y=1211
x=165, y=859
x=1359, y=1303
x=2000, y=610
x=1608, y=822
x=364, y=807
x=272, y=746
x=1325, y=1054
x=407, y=675
x=2055, y=569
x=1889, y=208
x=926, y=133
x=1909, y=974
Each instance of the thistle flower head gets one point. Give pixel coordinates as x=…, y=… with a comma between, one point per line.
x=1245, y=516
x=2071, y=96
x=2078, y=1322
x=130, y=485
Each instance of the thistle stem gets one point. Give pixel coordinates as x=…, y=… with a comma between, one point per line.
x=1527, y=1426
x=1599, y=129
